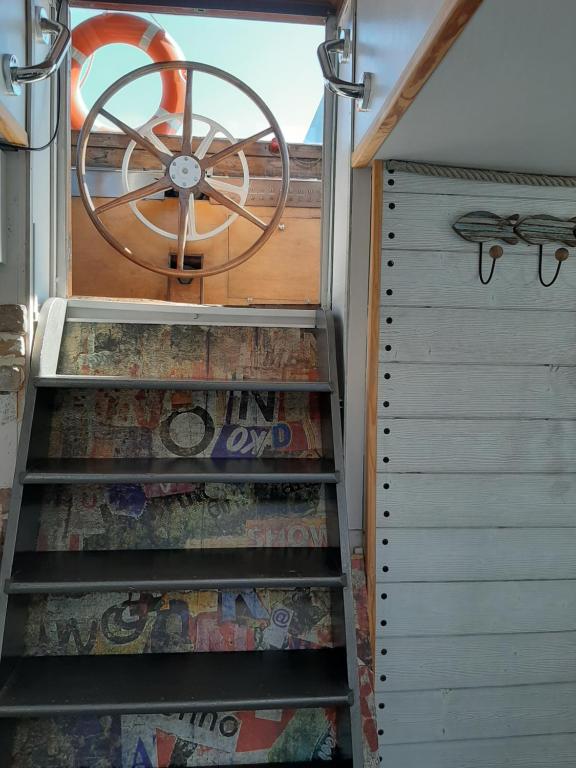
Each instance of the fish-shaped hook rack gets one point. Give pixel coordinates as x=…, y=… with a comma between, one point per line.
x=481, y=226
x=543, y=229
x=539, y=229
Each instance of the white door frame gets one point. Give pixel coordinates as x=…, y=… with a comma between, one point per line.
x=60, y=275
x=328, y=177
x=345, y=251
x=349, y=289
x=61, y=262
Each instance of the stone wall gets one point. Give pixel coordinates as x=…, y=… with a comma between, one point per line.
x=13, y=329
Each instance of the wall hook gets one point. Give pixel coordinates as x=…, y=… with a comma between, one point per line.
x=482, y=226
x=543, y=229
x=561, y=255
x=495, y=253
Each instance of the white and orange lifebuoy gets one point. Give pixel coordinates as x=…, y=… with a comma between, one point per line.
x=109, y=28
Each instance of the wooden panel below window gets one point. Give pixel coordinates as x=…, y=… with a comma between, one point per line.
x=99, y=270
x=285, y=271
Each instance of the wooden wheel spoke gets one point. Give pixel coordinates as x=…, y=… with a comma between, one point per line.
x=231, y=205
x=159, y=144
x=187, y=120
x=224, y=186
x=192, y=217
x=164, y=158
x=136, y=194
x=206, y=143
x=209, y=162
x=183, y=218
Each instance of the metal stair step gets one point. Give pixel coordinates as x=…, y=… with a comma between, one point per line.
x=173, y=682
x=163, y=570
x=227, y=385
x=179, y=470
x=340, y=763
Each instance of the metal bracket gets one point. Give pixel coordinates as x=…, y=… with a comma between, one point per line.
x=342, y=47
x=346, y=36
x=16, y=76
x=41, y=35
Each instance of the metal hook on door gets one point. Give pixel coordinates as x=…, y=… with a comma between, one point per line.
x=15, y=76
x=341, y=47
x=561, y=255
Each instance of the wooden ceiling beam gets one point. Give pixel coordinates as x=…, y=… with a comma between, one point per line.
x=295, y=11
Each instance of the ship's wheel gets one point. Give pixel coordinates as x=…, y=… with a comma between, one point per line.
x=191, y=171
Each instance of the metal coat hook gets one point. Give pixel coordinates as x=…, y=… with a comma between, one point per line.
x=495, y=252
x=543, y=229
x=540, y=229
x=561, y=255
x=482, y=226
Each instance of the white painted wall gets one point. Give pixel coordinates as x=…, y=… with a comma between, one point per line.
x=42, y=98
x=388, y=33
x=13, y=40
x=476, y=539
x=28, y=199
x=503, y=97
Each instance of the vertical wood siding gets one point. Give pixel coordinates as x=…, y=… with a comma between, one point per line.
x=475, y=488
x=372, y=394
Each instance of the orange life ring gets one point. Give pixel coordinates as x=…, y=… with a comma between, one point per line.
x=109, y=28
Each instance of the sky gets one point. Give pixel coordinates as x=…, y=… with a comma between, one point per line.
x=278, y=61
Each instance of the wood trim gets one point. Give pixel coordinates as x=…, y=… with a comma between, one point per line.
x=290, y=11
x=372, y=394
x=117, y=140
x=106, y=150
x=11, y=130
x=441, y=35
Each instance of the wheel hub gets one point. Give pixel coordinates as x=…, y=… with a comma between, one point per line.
x=185, y=171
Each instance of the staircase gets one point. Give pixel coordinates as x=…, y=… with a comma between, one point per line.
x=176, y=574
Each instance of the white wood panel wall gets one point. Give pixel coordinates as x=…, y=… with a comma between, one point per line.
x=476, y=488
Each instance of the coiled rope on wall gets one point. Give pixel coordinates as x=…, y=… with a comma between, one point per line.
x=478, y=174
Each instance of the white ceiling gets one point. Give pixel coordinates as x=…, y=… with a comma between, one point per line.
x=504, y=97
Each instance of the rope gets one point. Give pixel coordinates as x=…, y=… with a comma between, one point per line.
x=477, y=174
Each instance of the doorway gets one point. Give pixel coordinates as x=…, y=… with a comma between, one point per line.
x=278, y=61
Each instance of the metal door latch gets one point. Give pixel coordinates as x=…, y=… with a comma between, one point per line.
x=16, y=76
x=341, y=46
